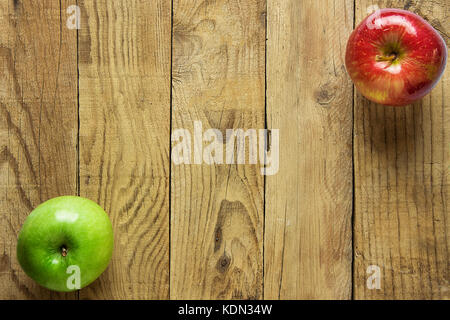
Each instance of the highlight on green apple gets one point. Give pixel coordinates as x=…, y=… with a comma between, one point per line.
x=65, y=243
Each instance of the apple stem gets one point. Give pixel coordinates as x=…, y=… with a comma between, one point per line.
x=63, y=251
x=389, y=58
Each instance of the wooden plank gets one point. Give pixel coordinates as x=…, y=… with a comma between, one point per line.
x=402, y=184
x=38, y=125
x=309, y=202
x=217, y=210
x=124, y=65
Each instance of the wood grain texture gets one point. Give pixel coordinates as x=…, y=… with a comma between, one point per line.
x=231, y=233
x=124, y=65
x=308, y=248
x=38, y=125
x=217, y=210
x=402, y=188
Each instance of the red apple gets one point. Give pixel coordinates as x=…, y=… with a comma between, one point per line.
x=395, y=57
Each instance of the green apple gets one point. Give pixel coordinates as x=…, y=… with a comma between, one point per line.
x=65, y=243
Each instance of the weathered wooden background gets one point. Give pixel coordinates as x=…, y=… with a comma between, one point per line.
x=91, y=111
